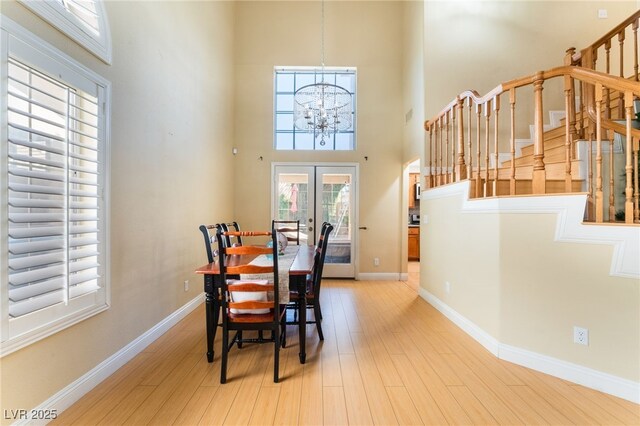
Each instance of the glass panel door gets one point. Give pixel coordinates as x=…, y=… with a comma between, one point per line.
x=335, y=204
x=314, y=194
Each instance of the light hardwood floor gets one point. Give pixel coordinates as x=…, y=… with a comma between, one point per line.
x=388, y=358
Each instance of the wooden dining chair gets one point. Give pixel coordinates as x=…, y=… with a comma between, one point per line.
x=210, y=243
x=313, y=283
x=231, y=226
x=244, y=302
x=290, y=228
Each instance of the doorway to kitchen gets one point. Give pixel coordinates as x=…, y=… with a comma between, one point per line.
x=314, y=194
x=413, y=224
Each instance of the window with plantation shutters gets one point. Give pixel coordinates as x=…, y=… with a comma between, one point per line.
x=55, y=228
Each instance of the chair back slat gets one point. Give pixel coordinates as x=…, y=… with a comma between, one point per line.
x=251, y=304
x=248, y=269
x=249, y=287
x=238, y=250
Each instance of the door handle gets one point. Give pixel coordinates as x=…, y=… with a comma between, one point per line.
x=364, y=228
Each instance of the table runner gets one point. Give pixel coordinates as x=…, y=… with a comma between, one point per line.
x=284, y=264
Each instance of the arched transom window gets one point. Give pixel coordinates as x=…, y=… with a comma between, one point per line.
x=85, y=21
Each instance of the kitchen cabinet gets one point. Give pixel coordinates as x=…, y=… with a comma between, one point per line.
x=414, y=243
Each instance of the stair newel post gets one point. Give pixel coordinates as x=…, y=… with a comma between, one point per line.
x=512, y=174
x=567, y=140
x=628, y=189
x=612, y=193
x=461, y=169
x=539, y=181
x=478, y=145
x=487, y=118
x=634, y=26
x=599, y=192
x=470, y=166
x=496, y=128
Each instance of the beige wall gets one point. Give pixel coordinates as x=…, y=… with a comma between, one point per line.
x=508, y=276
x=413, y=80
x=363, y=34
x=171, y=137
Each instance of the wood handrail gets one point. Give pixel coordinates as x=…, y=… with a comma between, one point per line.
x=614, y=32
x=584, y=74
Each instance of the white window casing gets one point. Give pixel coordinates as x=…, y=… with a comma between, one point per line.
x=84, y=21
x=54, y=163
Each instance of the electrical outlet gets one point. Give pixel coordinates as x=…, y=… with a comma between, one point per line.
x=186, y=285
x=581, y=335
x=602, y=13
x=376, y=261
x=447, y=287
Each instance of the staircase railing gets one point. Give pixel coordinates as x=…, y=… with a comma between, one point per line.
x=599, y=131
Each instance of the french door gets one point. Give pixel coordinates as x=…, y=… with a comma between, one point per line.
x=316, y=194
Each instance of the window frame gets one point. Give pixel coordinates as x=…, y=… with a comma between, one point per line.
x=61, y=18
x=317, y=71
x=22, y=331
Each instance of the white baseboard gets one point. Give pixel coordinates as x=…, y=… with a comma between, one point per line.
x=603, y=382
x=76, y=390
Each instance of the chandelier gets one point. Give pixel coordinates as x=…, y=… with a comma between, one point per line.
x=322, y=108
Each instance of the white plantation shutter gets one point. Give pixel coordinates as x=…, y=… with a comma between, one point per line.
x=55, y=193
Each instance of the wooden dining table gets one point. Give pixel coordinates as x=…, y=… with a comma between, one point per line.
x=301, y=266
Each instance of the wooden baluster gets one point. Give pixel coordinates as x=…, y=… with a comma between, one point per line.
x=487, y=118
x=437, y=150
x=581, y=121
x=496, y=128
x=567, y=139
x=512, y=175
x=571, y=114
x=447, y=121
x=430, y=130
x=590, y=206
x=620, y=97
x=470, y=167
x=453, y=143
x=539, y=181
x=607, y=92
x=440, y=177
x=636, y=195
x=599, y=192
x=634, y=26
x=612, y=191
x=478, y=176
x=628, y=189
x=461, y=168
